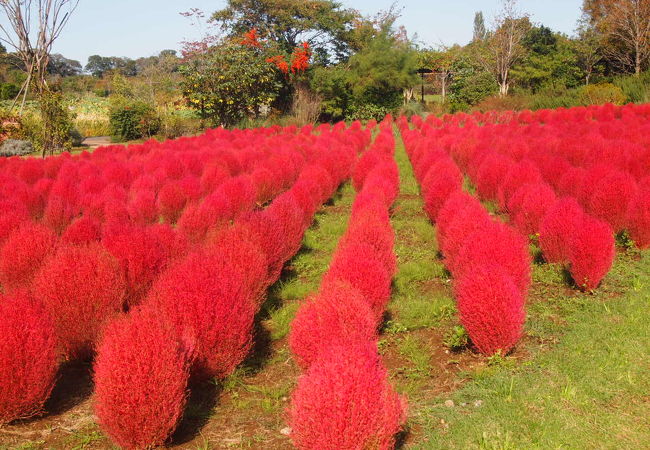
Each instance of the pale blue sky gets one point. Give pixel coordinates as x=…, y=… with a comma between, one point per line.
x=136, y=28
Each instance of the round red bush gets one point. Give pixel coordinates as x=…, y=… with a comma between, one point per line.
x=141, y=376
x=491, y=308
x=610, y=198
x=558, y=227
x=338, y=315
x=345, y=402
x=207, y=301
x=141, y=257
x=519, y=174
x=591, y=253
x=239, y=247
x=528, y=205
x=83, y=230
x=490, y=174
x=357, y=264
x=28, y=363
x=499, y=244
x=369, y=230
x=638, y=218
x=463, y=224
x=82, y=288
x=23, y=253
x=171, y=201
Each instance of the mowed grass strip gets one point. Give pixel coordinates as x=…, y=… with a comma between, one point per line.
x=585, y=384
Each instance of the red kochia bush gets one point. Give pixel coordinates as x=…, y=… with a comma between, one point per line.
x=491, y=308
x=141, y=375
x=240, y=248
x=491, y=172
x=591, y=254
x=141, y=256
x=499, y=244
x=208, y=302
x=518, y=175
x=557, y=229
x=82, y=230
x=528, y=205
x=142, y=207
x=171, y=201
x=610, y=197
x=441, y=181
x=463, y=224
x=344, y=402
x=22, y=255
x=336, y=316
x=82, y=288
x=638, y=218
x=28, y=363
x=357, y=264
x=367, y=228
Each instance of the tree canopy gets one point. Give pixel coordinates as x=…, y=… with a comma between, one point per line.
x=324, y=24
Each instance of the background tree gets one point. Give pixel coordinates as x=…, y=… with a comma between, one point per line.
x=588, y=50
x=63, y=67
x=549, y=62
x=625, y=26
x=324, y=24
x=504, y=46
x=441, y=62
x=229, y=82
x=480, y=32
x=36, y=26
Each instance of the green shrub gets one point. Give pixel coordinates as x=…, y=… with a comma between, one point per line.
x=597, y=94
x=8, y=91
x=412, y=108
x=132, y=119
x=13, y=147
x=466, y=91
x=93, y=127
x=175, y=124
x=367, y=112
x=636, y=89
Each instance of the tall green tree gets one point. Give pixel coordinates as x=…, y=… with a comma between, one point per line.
x=549, y=61
x=324, y=24
x=379, y=73
x=229, y=82
x=480, y=32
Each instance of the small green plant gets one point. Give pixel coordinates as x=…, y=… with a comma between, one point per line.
x=132, y=119
x=394, y=327
x=457, y=338
x=624, y=240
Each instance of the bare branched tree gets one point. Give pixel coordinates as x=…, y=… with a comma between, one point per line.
x=34, y=26
x=588, y=48
x=503, y=47
x=628, y=28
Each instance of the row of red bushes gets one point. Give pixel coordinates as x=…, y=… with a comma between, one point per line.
x=205, y=293
x=598, y=155
x=344, y=399
x=489, y=261
x=529, y=171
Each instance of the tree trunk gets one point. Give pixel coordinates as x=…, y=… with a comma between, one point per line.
x=444, y=86
x=637, y=61
x=504, y=86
